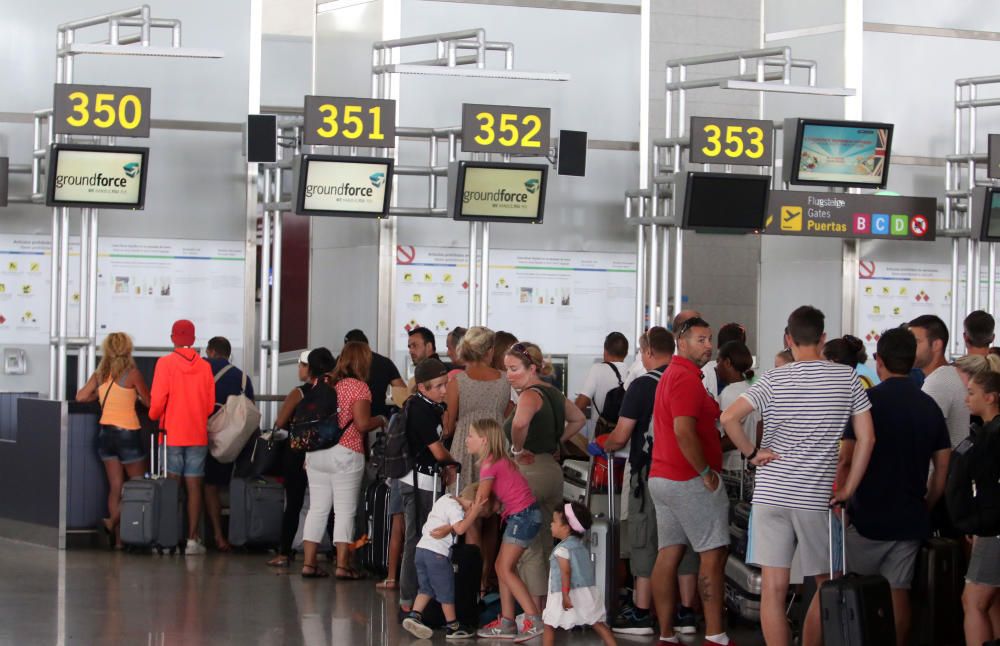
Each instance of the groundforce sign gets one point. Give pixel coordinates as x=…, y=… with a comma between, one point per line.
x=846, y=215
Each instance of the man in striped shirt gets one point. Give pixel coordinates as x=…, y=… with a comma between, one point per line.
x=806, y=406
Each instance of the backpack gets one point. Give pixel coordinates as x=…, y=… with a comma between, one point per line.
x=972, y=491
x=316, y=425
x=612, y=404
x=396, y=458
x=232, y=423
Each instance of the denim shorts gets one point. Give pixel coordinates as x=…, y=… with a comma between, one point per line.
x=114, y=443
x=523, y=527
x=186, y=460
x=395, y=498
x=435, y=575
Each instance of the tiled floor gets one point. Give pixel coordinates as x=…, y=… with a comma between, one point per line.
x=97, y=597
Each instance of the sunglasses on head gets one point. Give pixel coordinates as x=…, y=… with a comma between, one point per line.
x=519, y=348
x=690, y=323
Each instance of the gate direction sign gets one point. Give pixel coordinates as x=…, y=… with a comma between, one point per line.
x=849, y=215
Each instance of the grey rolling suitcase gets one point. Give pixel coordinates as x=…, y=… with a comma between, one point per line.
x=256, y=507
x=743, y=584
x=603, y=540
x=151, y=512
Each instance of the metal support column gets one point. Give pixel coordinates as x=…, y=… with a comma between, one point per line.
x=92, y=287
x=953, y=318
x=84, y=332
x=653, y=273
x=473, y=274
x=276, y=291
x=991, y=281
x=484, y=284
x=678, y=270
x=265, y=288
x=664, y=318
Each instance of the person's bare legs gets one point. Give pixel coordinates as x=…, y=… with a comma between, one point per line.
x=193, y=485
x=688, y=585
x=812, y=632
x=901, y=615
x=642, y=595
x=511, y=585
x=774, y=590
x=213, y=506
x=549, y=636
x=664, y=586
x=116, y=479
x=711, y=574
x=995, y=615
x=396, y=538
x=977, y=601
x=309, y=551
x=604, y=633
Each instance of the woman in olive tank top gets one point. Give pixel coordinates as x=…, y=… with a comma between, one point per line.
x=542, y=419
x=116, y=385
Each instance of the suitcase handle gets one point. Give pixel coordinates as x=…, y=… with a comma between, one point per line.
x=440, y=467
x=843, y=538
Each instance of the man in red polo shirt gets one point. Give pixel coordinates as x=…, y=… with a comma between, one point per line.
x=692, y=508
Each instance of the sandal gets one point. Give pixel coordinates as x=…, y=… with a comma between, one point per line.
x=279, y=561
x=388, y=584
x=350, y=576
x=316, y=572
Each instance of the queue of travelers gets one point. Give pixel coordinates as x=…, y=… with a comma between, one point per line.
x=820, y=431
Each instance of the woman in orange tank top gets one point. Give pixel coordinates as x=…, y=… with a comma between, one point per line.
x=116, y=385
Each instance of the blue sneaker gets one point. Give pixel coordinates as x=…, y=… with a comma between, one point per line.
x=685, y=621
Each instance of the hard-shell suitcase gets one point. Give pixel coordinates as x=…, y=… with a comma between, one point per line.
x=467, y=562
x=855, y=610
x=376, y=527
x=256, y=507
x=604, y=536
x=151, y=511
x=743, y=585
x=937, y=594
x=738, y=541
x=739, y=515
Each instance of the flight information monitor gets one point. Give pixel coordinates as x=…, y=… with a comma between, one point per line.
x=725, y=202
x=840, y=153
x=494, y=192
x=344, y=186
x=100, y=177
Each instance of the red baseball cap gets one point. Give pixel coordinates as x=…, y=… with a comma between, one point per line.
x=182, y=333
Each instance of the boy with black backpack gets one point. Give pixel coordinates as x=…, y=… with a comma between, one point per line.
x=604, y=388
x=419, y=424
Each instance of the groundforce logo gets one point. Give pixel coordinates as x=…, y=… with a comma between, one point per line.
x=502, y=196
x=97, y=180
x=341, y=190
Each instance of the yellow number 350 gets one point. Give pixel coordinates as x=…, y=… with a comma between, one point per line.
x=105, y=113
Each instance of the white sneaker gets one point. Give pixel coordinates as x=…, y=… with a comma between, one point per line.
x=194, y=548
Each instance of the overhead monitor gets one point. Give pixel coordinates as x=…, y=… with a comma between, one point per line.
x=494, y=192
x=990, y=231
x=104, y=177
x=725, y=202
x=840, y=153
x=343, y=186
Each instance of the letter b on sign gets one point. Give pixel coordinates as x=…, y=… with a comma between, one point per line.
x=861, y=223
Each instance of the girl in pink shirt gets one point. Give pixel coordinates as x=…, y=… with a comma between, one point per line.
x=499, y=476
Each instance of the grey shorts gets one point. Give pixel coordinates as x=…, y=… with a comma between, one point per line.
x=775, y=532
x=642, y=547
x=984, y=565
x=435, y=575
x=894, y=560
x=689, y=514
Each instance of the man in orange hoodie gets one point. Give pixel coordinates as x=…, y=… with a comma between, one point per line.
x=182, y=398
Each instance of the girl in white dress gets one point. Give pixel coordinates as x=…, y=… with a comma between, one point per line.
x=574, y=599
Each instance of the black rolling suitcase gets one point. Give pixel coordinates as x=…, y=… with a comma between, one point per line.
x=376, y=528
x=467, y=562
x=151, y=511
x=855, y=610
x=256, y=508
x=937, y=594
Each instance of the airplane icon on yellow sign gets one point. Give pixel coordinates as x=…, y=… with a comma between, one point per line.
x=791, y=218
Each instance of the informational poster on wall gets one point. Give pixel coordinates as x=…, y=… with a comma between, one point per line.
x=143, y=285
x=25, y=288
x=567, y=302
x=893, y=293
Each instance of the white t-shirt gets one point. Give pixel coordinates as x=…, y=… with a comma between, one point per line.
x=635, y=370
x=945, y=387
x=446, y=511
x=806, y=406
x=711, y=380
x=732, y=460
x=599, y=381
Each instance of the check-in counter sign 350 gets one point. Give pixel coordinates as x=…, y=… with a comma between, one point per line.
x=103, y=110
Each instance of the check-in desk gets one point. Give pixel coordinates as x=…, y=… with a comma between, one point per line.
x=53, y=490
